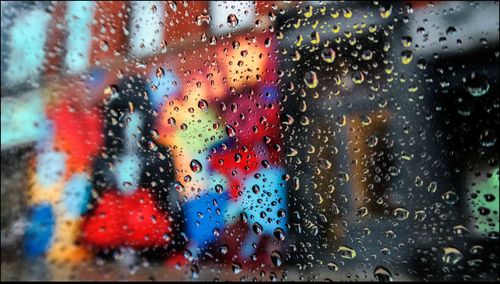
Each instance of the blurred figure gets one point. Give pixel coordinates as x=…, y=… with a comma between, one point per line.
x=131, y=178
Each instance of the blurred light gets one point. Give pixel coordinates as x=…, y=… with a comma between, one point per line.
x=27, y=41
x=485, y=224
x=40, y=230
x=77, y=195
x=220, y=10
x=145, y=27
x=23, y=120
x=469, y=21
x=79, y=18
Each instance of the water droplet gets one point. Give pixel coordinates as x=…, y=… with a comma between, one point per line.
x=346, y=252
x=203, y=18
x=104, y=45
x=230, y=131
x=450, y=31
x=450, y=197
x=311, y=79
x=279, y=234
x=406, y=56
x=460, y=230
x=203, y=105
x=172, y=5
x=188, y=255
x=160, y=73
x=315, y=38
x=363, y=211
x=341, y=120
x=385, y=11
x=489, y=197
x=218, y=188
x=432, y=187
x=223, y=249
x=332, y=266
x=358, y=77
x=255, y=189
x=171, y=121
x=382, y=274
x=406, y=41
x=195, y=166
x=477, y=85
x=257, y=228
x=401, y=214
x=276, y=258
x=420, y=215
x=367, y=55
x=451, y=255
x=487, y=138
x=476, y=249
x=232, y=21
x=418, y=181
x=372, y=141
x=324, y=164
x=236, y=268
x=365, y=119
x=421, y=64
x=291, y=152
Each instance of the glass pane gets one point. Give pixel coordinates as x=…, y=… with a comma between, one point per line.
x=250, y=140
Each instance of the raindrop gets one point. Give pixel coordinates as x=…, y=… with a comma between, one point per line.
x=332, y=266
x=195, y=166
x=450, y=197
x=104, y=45
x=203, y=105
x=230, y=131
x=236, y=268
x=372, y=141
x=432, y=187
x=420, y=215
x=276, y=258
x=477, y=85
x=255, y=189
x=406, y=41
x=382, y=274
x=362, y=212
x=218, y=188
x=257, y=228
x=223, y=249
x=358, y=77
x=487, y=138
x=172, y=5
x=401, y=214
x=200, y=19
x=346, y=252
x=450, y=31
x=160, y=72
x=232, y=21
x=406, y=56
x=385, y=11
x=291, y=152
x=311, y=79
x=279, y=234
x=451, y=255
x=328, y=54
x=324, y=164
x=489, y=197
x=460, y=230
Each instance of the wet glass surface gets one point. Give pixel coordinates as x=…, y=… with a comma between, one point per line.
x=251, y=140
